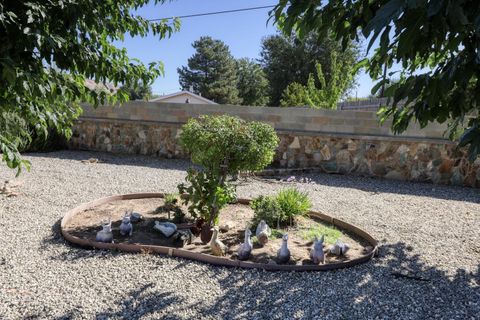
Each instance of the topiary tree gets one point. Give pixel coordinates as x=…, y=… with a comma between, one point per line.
x=222, y=146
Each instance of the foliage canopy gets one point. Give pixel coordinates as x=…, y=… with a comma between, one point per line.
x=49, y=49
x=436, y=42
x=252, y=84
x=288, y=59
x=222, y=146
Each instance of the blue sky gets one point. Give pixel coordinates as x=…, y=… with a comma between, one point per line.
x=241, y=31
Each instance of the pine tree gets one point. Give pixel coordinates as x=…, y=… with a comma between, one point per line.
x=211, y=72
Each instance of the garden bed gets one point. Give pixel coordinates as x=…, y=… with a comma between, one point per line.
x=81, y=224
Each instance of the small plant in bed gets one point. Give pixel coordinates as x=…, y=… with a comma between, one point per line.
x=331, y=234
x=282, y=209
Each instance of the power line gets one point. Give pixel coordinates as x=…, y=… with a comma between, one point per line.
x=213, y=13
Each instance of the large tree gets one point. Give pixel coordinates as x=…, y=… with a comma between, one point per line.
x=211, y=72
x=287, y=59
x=138, y=91
x=48, y=50
x=252, y=84
x=436, y=42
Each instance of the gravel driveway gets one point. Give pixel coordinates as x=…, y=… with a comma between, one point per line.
x=429, y=234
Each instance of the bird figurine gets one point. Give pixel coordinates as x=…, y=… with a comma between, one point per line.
x=105, y=235
x=218, y=247
x=316, y=253
x=339, y=248
x=283, y=254
x=246, y=248
x=263, y=232
x=126, y=228
x=165, y=228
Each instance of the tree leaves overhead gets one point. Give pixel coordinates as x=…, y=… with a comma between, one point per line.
x=437, y=42
x=211, y=72
x=49, y=49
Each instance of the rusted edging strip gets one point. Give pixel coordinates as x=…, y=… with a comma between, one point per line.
x=220, y=261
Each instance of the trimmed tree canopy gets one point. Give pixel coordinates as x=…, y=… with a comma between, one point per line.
x=436, y=42
x=49, y=49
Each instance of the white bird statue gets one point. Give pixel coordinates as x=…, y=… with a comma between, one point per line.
x=218, y=247
x=316, y=254
x=246, y=248
x=263, y=232
x=105, y=235
x=283, y=254
x=339, y=248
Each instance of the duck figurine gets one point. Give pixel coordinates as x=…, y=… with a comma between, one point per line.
x=339, y=248
x=126, y=228
x=283, y=254
x=246, y=248
x=105, y=235
x=263, y=232
x=218, y=247
x=316, y=253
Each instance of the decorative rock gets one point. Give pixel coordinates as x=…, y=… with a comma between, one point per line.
x=182, y=237
x=339, y=248
x=316, y=254
x=135, y=217
x=166, y=228
x=224, y=228
x=295, y=144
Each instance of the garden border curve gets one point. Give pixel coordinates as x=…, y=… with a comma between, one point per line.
x=220, y=261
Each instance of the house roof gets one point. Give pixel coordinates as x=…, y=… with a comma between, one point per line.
x=159, y=99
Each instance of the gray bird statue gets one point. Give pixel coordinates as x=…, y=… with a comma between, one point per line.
x=126, y=228
x=246, y=248
x=105, y=235
x=316, y=254
x=283, y=254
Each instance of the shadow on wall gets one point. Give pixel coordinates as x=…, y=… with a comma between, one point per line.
x=397, y=285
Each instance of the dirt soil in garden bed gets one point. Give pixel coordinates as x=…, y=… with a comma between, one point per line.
x=236, y=216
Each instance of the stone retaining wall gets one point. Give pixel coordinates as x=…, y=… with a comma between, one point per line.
x=345, y=142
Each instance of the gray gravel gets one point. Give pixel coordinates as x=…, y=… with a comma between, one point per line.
x=429, y=232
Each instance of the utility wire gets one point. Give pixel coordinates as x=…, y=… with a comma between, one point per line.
x=212, y=13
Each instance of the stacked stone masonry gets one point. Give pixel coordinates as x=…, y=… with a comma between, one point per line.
x=345, y=142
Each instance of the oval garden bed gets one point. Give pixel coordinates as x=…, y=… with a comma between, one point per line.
x=80, y=225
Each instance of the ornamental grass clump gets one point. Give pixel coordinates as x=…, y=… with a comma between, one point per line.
x=222, y=146
x=282, y=209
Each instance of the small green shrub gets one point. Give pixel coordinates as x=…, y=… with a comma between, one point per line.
x=281, y=210
x=266, y=208
x=293, y=203
x=171, y=199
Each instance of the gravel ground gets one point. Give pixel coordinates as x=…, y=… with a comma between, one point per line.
x=430, y=233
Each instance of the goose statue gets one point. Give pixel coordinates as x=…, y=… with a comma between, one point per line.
x=316, y=254
x=339, y=248
x=218, y=247
x=283, y=254
x=263, y=232
x=246, y=248
x=126, y=228
x=105, y=235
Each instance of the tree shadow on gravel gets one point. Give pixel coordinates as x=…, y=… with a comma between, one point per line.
x=147, y=301
x=377, y=186
x=395, y=285
x=116, y=159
